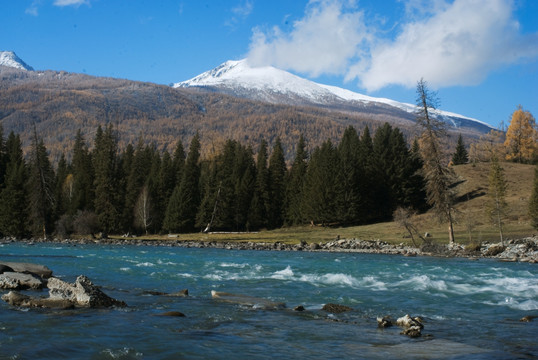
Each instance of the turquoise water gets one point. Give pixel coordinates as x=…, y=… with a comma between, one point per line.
x=471, y=309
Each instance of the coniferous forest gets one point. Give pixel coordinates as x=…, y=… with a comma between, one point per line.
x=362, y=179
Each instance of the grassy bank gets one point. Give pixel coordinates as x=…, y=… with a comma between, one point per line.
x=472, y=221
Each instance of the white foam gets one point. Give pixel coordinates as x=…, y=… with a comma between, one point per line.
x=145, y=264
x=285, y=274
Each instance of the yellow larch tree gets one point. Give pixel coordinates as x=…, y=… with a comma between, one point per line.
x=522, y=137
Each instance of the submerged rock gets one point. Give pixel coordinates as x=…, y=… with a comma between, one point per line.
x=384, y=322
x=258, y=303
x=172, y=314
x=335, y=308
x=412, y=326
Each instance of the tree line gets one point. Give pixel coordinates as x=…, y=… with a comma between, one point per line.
x=361, y=179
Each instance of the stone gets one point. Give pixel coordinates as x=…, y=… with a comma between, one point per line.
x=257, y=303
x=335, y=308
x=29, y=268
x=17, y=299
x=19, y=281
x=384, y=322
x=82, y=293
x=180, y=293
x=413, y=331
x=172, y=314
x=407, y=321
x=299, y=308
x=5, y=268
x=494, y=250
x=528, y=318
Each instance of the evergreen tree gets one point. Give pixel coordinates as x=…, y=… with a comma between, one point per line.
x=295, y=185
x=245, y=182
x=438, y=176
x=260, y=199
x=83, y=177
x=3, y=157
x=497, y=191
x=277, y=186
x=533, y=202
x=210, y=193
x=13, y=196
x=178, y=163
x=369, y=184
x=63, y=192
x=460, y=156
x=41, y=187
x=137, y=172
x=349, y=174
x=185, y=200
x=320, y=194
x=105, y=165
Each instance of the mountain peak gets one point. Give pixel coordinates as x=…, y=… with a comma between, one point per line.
x=10, y=59
x=269, y=84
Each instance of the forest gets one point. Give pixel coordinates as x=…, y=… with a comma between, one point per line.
x=233, y=187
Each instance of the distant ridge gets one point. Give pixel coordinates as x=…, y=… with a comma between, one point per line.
x=10, y=59
x=277, y=86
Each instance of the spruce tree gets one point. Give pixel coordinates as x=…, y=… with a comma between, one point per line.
x=14, y=196
x=295, y=185
x=106, y=190
x=460, y=156
x=41, y=185
x=533, y=202
x=136, y=172
x=83, y=177
x=277, y=186
x=320, y=193
x=260, y=200
x=183, y=205
x=349, y=174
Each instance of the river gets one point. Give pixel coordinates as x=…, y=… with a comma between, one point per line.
x=470, y=309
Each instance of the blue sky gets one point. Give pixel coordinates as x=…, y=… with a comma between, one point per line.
x=481, y=56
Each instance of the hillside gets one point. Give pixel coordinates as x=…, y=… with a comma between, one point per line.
x=60, y=103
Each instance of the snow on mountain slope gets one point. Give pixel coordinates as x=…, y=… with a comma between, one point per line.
x=277, y=86
x=10, y=59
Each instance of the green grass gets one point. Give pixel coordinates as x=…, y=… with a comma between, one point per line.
x=472, y=190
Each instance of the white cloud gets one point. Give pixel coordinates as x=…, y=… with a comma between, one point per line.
x=329, y=36
x=71, y=2
x=240, y=13
x=458, y=45
x=33, y=9
x=446, y=42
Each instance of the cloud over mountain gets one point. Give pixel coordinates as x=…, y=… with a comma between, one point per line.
x=447, y=42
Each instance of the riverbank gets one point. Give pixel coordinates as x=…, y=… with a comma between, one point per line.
x=522, y=250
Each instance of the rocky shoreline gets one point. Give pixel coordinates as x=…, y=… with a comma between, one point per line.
x=522, y=250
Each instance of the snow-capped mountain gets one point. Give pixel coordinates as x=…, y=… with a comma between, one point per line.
x=273, y=85
x=10, y=59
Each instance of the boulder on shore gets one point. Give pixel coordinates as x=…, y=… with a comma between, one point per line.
x=17, y=299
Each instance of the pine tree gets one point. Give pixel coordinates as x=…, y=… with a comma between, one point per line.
x=295, y=185
x=41, y=185
x=137, y=172
x=497, y=191
x=438, y=176
x=14, y=196
x=277, y=186
x=522, y=137
x=533, y=202
x=460, y=156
